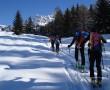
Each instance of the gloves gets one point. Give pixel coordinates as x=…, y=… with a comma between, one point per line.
x=89, y=44
x=69, y=46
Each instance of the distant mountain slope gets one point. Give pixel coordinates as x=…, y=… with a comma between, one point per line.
x=42, y=20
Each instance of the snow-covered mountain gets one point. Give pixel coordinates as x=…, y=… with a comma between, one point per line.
x=2, y=26
x=5, y=28
x=42, y=20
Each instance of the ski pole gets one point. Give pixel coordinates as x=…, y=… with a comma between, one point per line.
x=102, y=56
x=61, y=46
x=69, y=50
x=102, y=62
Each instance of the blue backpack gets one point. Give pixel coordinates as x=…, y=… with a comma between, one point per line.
x=81, y=37
x=77, y=34
x=85, y=34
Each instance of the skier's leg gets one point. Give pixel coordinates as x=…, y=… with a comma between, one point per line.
x=76, y=56
x=88, y=53
x=91, y=60
x=82, y=56
x=82, y=67
x=52, y=45
x=57, y=47
x=98, y=65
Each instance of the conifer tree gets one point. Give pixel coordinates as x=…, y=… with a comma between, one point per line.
x=73, y=22
x=102, y=16
x=83, y=17
x=91, y=20
x=17, y=24
x=30, y=26
x=67, y=23
x=58, y=22
x=77, y=17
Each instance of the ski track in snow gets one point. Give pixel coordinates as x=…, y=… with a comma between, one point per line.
x=27, y=63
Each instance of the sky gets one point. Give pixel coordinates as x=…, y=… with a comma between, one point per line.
x=28, y=8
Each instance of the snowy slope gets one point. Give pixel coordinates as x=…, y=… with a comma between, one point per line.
x=27, y=63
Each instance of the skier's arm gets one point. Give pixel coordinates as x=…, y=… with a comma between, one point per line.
x=74, y=38
x=103, y=39
x=60, y=40
x=88, y=38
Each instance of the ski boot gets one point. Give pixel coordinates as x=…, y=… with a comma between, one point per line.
x=82, y=68
x=53, y=49
x=99, y=83
x=57, y=51
x=77, y=65
x=93, y=82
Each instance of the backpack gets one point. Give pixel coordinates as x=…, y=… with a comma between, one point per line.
x=77, y=34
x=95, y=41
x=83, y=36
x=57, y=41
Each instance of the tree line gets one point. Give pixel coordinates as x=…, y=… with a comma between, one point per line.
x=67, y=22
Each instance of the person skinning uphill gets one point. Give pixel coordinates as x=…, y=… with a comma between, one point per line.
x=52, y=41
x=79, y=39
x=95, y=55
x=55, y=43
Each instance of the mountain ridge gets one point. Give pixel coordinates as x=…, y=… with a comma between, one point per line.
x=43, y=20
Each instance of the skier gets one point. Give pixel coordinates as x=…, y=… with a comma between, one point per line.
x=52, y=41
x=79, y=40
x=57, y=43
x=95, y=55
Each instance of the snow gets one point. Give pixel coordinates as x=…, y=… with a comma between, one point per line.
x=2, y=26
x=27, y=63
x=43, y=20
